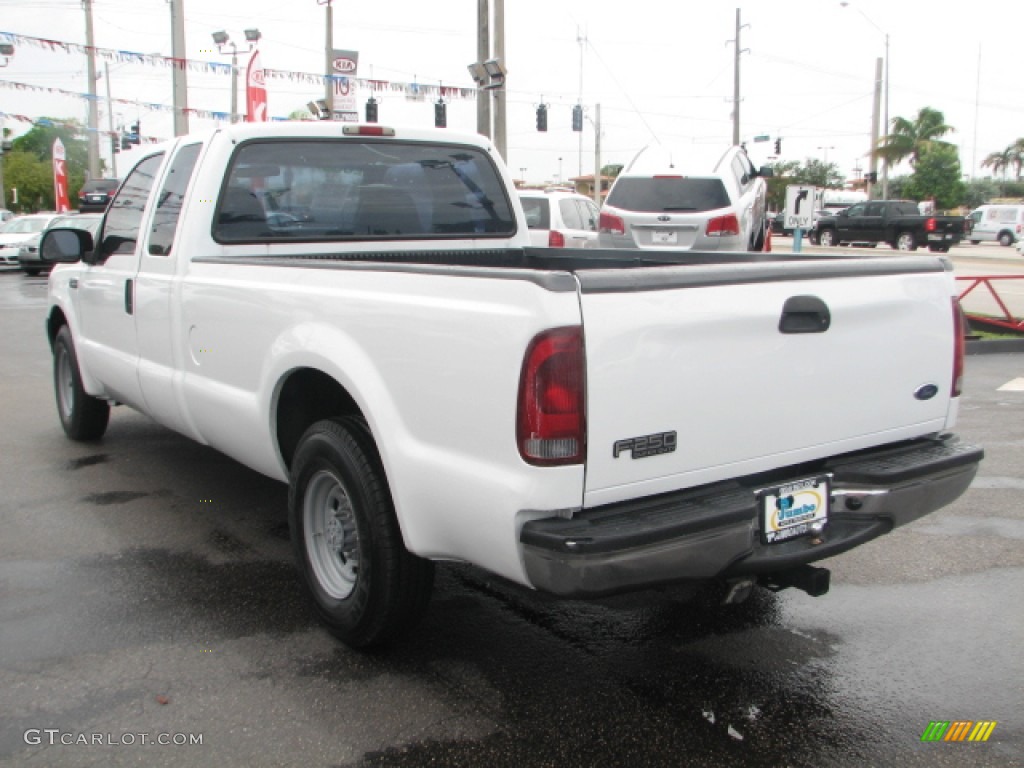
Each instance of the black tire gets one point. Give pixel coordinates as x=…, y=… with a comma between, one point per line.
x=975, y=242
x=366, y=586
x=82, y=416
x=827, y=238
x=1005, y=239
x=32, y=271
x=938, y=248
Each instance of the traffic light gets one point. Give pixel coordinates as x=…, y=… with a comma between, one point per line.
x=778, y=146
x=371, y=110
x=126, y=142
x=542, y=117
x=577, y=117
x=135, y=135
x=871, y=178
x=115, y=145
x=440, y=114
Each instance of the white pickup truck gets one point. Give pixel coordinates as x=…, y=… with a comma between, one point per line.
x=356, y=310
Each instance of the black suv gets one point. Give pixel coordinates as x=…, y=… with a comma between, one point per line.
x=96, y=194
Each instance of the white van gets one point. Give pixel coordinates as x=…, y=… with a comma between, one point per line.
x=1001, y=223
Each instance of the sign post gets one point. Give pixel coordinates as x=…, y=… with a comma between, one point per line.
x=800, y=202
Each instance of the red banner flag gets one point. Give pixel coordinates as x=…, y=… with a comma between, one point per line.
x=255, y=91
x=60, y=178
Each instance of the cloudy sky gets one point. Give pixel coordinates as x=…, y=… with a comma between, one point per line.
x=661, y=71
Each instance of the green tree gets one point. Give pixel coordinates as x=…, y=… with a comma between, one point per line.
x=999, y=161
x=28, y=166
x=910, y=138
x=937, y=177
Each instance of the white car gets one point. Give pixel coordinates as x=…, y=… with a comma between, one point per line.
x=560, y=219
x=17, y=232
x=700, y=199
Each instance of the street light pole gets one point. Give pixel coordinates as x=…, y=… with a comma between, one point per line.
x=886, y=126
x=222, y=39
x=329, y=56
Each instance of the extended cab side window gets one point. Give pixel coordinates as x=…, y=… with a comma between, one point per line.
x=170, y=199
x=855, y=210
x=124, y=217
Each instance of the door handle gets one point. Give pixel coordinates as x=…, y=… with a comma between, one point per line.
x=805, y=314
x=129, y=296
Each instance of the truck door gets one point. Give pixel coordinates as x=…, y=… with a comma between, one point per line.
x=106, y=289
x=872, y=223
x=155, y=323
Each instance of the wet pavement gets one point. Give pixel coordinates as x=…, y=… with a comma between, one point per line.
x=147, y=591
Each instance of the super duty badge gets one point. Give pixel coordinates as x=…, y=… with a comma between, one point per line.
x=648, y=445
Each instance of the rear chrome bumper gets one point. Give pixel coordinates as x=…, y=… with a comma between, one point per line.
x=714, y=531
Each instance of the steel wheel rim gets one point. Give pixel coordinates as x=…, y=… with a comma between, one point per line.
x=331, y=535
x=903, y=243
x=65, y=383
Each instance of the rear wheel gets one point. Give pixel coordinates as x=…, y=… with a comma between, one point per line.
x=1005, y=239
x=82, y=416
x=905, y=242
x=939, y=248
x=827, y=237
x=366, y=586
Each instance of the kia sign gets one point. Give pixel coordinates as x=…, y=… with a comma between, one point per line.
x=344, y=62
x=60, y=178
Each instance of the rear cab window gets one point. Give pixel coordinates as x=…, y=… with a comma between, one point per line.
x=295, y=190
x=659, y=194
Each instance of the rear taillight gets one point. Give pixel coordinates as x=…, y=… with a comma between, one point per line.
x=930, y=225
x=556, y=239
x=550, y=423
x=367, y=130
x=612, y=225
x=959, y=342
x=721, y=226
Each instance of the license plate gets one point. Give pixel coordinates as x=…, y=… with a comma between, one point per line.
x=661, y=237
x=794, y=509
x=940, y=237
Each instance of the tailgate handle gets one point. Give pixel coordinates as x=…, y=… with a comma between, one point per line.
x=804, y=314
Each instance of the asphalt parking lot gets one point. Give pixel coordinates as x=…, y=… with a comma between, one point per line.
x=149, y=597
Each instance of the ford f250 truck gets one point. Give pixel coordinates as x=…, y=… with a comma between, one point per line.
x=355, y=310
x=896, y=222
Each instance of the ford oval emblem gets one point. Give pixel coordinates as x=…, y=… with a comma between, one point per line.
x=664, y=218
x=926, y=392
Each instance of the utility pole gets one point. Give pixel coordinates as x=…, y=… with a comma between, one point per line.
x=329, y=58
x=582, y=40
x=875, y=107
x=179, y=78
x=483, y=53
x=500, y=125
x=110, y=124
x=94, y=138
x=598, y=181
x=736, y=82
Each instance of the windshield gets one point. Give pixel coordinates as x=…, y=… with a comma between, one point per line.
x=24, y=226
x=661, y=194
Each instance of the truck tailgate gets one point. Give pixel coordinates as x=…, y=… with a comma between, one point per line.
x=694, y=375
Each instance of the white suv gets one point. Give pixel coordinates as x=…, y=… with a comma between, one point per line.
x=560, y=219
x=710, y=202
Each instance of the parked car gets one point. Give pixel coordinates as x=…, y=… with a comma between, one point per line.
x=559, y=219
x=96, y=194
x=709, y=202
x=19, y=230
x=28, y=256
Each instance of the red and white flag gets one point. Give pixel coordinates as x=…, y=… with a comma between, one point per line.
x=60, y=178
x=255, y=91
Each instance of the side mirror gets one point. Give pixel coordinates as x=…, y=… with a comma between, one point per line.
x=65, y=245
x=765, y=171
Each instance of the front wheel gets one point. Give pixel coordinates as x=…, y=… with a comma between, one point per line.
x=366, y=586
x=82, y=416
x=827, y=237
x=906, y=242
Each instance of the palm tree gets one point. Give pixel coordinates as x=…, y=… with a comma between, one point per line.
x=1017, y=148
x=1001, y=161
x=910, y=138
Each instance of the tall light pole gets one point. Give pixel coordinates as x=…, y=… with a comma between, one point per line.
x=329, y=58
x=222, y=40
x=826, y=149
x=179, y=78
x=885, y=161
x=94, y=136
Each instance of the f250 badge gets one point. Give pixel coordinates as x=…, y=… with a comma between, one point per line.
x=647, y=445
